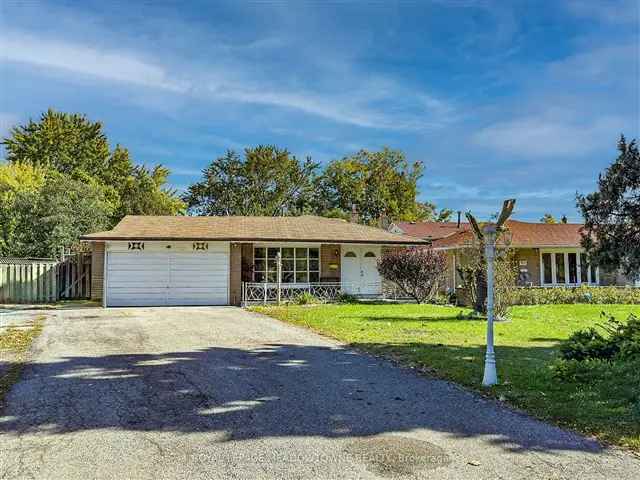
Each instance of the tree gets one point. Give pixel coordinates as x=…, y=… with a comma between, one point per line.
x=428, y=212
x=72, y=145
x=379, y=183
x=16, y=180
x=267, y=181
x=418, y=272
x=53, y=215
x=143, y=193
x=564, y=219
x=66, y=143
x=472, y=267
x=611, y=234
x=548, y=218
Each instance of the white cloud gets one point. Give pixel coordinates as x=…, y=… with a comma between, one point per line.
x=572, y=107
x=107, y=65
x=363, y=105
x=542, y=136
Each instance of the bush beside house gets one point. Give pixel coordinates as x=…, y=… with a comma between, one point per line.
x=567, y=295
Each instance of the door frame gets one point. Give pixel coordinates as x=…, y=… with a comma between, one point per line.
x=360, y=250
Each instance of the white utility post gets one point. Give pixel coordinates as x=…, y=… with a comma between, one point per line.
x=490, y=375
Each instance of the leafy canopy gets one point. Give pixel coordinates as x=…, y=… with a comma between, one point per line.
x=67, y=152
x=381, y=184
x=52, y=211
x=611, y=233
x=73, y=145
x=266, y=181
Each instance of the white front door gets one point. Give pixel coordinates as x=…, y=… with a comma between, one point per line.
x=359, y=270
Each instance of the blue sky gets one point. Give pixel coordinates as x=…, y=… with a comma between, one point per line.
x=499, y=99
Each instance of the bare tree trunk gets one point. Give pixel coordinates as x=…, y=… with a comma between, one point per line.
x=481, y=292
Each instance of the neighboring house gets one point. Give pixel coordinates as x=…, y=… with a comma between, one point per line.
x=548, y=255
x=155, y=260
x=429, y=231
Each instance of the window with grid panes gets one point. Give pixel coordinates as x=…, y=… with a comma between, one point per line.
x=299, y=264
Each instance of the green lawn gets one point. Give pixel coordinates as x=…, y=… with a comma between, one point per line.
x=445, y=342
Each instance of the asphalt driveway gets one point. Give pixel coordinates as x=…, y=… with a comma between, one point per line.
x=199, y=393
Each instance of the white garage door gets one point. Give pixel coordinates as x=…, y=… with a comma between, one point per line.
x=159, y=278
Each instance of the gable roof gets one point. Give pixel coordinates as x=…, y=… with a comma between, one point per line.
x=525, y=235
x=306, y=228
x=431, y=230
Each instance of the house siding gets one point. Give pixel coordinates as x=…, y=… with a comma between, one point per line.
x=97, y=270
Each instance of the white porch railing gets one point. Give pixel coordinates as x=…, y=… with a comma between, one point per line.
x=264, y=293
x=254, y=293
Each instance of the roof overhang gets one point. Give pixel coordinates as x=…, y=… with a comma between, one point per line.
x=400, y=242
x=470, y=245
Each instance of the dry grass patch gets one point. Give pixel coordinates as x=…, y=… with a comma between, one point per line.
x=15, y=343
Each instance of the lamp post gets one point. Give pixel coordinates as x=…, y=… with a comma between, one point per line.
x=487, y=236
x=490, y=375
x=279, y=277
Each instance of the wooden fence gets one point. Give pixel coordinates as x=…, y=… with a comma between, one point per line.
x=37, y=280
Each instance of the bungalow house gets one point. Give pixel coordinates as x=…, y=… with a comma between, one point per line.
x=547, y=255
x=159, y=260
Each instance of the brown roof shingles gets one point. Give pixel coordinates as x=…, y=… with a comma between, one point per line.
x=525, y=234
x=431, y=230
x=306, y=228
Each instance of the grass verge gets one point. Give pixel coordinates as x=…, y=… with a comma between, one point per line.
x=14, y=345
x=445, y=342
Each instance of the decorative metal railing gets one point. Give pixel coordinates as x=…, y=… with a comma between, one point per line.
x=263, y=293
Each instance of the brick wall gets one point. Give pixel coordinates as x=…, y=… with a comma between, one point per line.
x=97, y=270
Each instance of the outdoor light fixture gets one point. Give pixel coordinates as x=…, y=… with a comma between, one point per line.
x=488, y=236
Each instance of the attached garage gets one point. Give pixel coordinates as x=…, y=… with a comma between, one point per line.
x=161, y=273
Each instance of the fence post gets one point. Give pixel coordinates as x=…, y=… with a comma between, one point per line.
x=264, y=284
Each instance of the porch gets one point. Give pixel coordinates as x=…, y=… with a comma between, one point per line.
x=272, y=272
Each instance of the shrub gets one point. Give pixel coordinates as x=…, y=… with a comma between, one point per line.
x=620, y=342
x=587, y=345
x=418, y=272
x=346, y=298
x=582, y=294
x=596, y=371
x=306, y=298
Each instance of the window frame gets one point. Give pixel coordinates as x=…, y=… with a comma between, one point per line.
x=295, y=259
x=593, y=273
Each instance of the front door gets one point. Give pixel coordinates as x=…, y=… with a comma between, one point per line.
x=359, y=270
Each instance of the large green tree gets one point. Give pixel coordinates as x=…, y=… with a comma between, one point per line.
x=380, y=184
x=73, y=145
x=267, y=180
x=17, y=180
x=47, y=210
x=62, y=180
x=611, y=232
